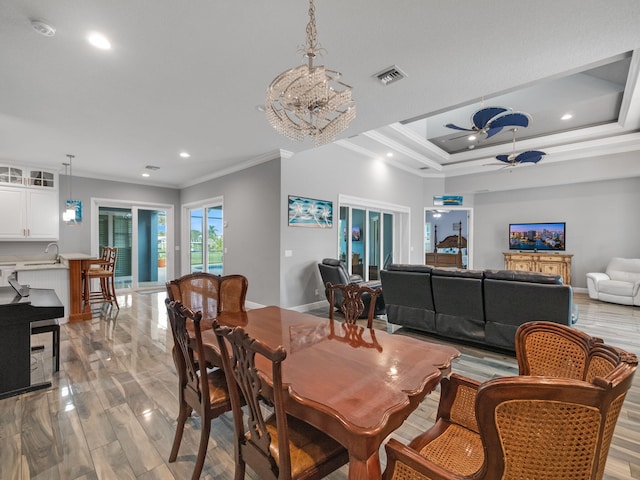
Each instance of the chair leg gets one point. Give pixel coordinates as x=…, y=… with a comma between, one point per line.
x=202, y=449
x=185, y=411
x=56, y=349
x=113, y=292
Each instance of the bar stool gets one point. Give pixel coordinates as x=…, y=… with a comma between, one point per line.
x=103, y=270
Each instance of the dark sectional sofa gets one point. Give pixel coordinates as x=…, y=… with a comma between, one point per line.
x=484, y=307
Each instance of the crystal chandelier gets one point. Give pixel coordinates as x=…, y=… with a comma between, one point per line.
x=310, y=101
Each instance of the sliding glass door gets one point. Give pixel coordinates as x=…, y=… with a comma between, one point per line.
x=366, y=239
x=142, y=237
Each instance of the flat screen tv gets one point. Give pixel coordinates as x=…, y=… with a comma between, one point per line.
x=537, y=236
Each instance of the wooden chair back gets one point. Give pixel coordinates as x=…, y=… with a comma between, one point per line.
x=277, y=446
x=200, y=390
x=197, y=291
x=553, y=350
x=110, y=256
x=209, y=294
x=353, y=304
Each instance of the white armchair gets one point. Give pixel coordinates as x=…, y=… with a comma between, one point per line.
x=619, y=284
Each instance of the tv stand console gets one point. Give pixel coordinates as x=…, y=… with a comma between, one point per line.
x=553, y=263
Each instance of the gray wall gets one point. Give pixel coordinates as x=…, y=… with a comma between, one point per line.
x=251, y=211
x=602, y=222
x=325, y=173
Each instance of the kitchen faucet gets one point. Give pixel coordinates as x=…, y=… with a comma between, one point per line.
x=54, y=244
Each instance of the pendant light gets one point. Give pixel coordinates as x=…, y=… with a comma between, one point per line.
x=70, y=215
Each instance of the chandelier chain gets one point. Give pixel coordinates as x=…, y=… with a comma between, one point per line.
x=312, y=32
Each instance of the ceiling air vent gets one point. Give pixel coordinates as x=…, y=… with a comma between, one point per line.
x=152, y=167
x=390, y=75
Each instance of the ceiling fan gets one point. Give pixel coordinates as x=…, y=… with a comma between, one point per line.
x=513, y=159
x=491, y=120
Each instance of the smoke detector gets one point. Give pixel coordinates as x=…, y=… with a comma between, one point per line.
x=43, y=28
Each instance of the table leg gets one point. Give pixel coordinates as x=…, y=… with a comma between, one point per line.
x=360, y=469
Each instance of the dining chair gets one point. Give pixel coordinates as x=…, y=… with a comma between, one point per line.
x=211, y=295
x=549, y=423
x=353, y=304
x=277, y=446
x=200, y=390
x=554, y=350
x=103, y=270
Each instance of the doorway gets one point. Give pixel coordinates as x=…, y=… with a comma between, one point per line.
x=371, y=236
x=203, y=226
x=143, y=236
x=448, y=237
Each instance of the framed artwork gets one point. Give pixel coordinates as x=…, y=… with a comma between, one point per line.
x=73, y=212
x=442, y=200
x=310, y=212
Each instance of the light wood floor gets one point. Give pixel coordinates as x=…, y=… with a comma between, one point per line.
x=111, y=412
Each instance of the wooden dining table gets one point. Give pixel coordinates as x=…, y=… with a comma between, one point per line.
x=356, y=384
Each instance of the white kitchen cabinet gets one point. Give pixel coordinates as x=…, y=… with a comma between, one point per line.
x=29, y=208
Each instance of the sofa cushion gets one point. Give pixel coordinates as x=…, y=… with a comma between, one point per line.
x=459, y=304
x=520, y=276
x=331, y=261
x=457, y=272
x=402, y=267
x=624, y=269
x=408, y=298
x=616, y=287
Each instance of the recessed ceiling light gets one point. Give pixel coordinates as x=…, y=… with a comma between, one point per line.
x=184, y=154
x=99, y=41
x=566, y=116
x=389, y=154
x=261, y=108
x=471, y=138
x=146, y=175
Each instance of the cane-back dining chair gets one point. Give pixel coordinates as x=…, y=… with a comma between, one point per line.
x=279, y=446
x=353, y=304
x=554, y=420
x=103, y=270
x=202, y=390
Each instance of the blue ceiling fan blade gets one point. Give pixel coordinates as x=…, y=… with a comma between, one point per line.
x=481, y=118
x=504, y=158
x=515, y=119
x=531, y=156
x=455, y=127
x=493, y=130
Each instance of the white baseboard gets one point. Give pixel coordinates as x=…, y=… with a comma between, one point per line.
x=311, y=306
x=298, y=308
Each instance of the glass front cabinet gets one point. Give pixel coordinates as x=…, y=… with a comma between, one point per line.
x=29, y=205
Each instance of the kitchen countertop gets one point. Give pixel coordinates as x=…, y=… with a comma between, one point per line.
x=43, y=263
